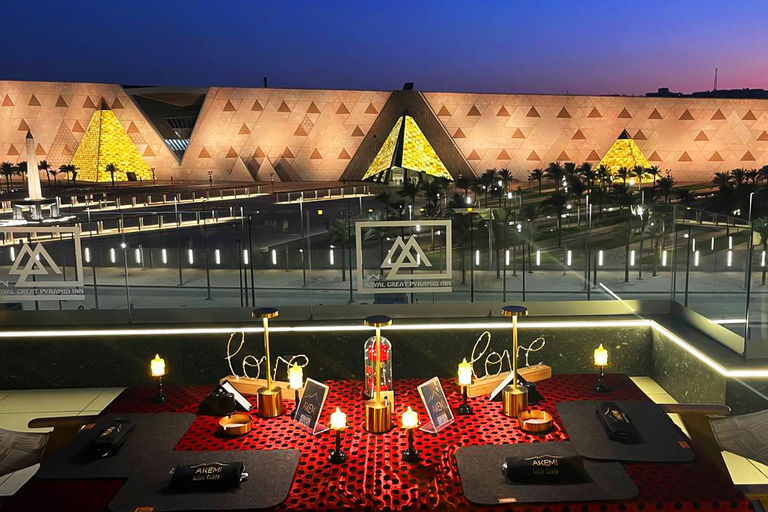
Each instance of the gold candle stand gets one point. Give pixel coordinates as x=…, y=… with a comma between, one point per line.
x=271, y=396
x=514, y=396
x=378, y=415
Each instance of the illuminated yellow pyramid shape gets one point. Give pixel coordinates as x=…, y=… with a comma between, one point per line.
x=407, y=147
x=624, y=153
x=106, y=142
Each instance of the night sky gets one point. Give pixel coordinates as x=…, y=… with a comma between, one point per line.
x=534, y=46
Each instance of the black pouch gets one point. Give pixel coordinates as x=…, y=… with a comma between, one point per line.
x=207, y=477
x=109, y=442
x=546, y=469
x=218, y=403
x=617, y=424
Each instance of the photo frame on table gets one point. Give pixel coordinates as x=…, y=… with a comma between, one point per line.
x=437, y=406
x=240, y=400
x=310, y=407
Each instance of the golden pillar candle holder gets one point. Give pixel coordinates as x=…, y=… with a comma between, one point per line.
x=378, y=414
x=514, y=396
x=270, y=397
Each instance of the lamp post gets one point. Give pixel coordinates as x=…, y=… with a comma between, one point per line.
x=514, y=397
x=270, y=396
x=378, y=416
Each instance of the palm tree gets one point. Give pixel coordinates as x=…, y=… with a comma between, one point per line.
x=558, y=203
x=762, y=174
x=739, y=175
x=463, y=182
x=640, y=173
x=570, y=172
x=431, y=191
x=577, y=192
x=603, y=174
x=73, y=170
x=409, y=190
x=721, y=179
x=760, y=226
x=340, y=234
x=623, y=173
x=386, y=199
x=45, y=166
x=554, y=173
x=684, y=196
x=111, y=169
x=751, y=175
x=587, y=174
x=654, y=172
x=538, y=175
x=21, y=169
x=7, y=170
x=487, y=180
x=665, y=186
x=531, y=212
x=62, y=170
x=506, y=177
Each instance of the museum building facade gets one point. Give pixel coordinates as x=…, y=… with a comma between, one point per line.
x=259, y=134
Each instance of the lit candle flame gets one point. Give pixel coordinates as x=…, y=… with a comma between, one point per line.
x=601, y=356
x=157, y=366
x=410, y=419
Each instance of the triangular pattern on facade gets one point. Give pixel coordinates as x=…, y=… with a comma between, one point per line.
x=407, y=147
x=106, y=142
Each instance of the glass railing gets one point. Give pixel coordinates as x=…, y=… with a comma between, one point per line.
x=250, y=247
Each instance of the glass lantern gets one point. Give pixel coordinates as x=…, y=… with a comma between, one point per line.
x=369, y=380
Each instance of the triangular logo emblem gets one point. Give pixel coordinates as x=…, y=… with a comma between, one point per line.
x=405, y=258
x=34, y=265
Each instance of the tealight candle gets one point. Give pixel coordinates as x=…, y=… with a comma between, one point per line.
x=410, y=419
x=338, y=420
x=465, y=373
x=157, y=366
x=601, y=356
x=295, y=377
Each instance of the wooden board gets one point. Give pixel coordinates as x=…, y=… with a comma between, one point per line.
x=485, y=386
x=250, y=387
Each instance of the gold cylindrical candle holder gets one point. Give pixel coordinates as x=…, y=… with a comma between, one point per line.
x=378, y=416
x=514, y=400
x=514, y=396
x=270, y=397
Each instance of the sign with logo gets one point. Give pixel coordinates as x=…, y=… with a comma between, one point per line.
x=411, y=256
x=438, y=408
x=311, y=406
x=34, y=273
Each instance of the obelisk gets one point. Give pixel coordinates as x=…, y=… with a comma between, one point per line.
x=35, y=193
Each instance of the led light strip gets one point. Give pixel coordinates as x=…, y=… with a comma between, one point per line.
x=754, y=372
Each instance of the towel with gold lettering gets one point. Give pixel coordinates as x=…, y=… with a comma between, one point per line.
x=206, y=477
x=546, y=469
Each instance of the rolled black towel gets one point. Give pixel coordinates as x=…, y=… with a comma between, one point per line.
x=617, y=424
x=207, y=477
x=546, y=469
x=109, y=442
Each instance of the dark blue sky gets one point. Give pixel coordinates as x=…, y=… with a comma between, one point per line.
x=545, y=46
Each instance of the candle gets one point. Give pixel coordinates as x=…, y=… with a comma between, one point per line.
x=601, y=356
x=410, y=419
x=157, y=366
x=295, y=377
x=465, y=373
x=338, y=420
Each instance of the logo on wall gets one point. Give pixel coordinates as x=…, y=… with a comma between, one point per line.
x=418, y=258
x=37, y=274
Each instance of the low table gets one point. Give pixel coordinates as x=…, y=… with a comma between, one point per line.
x=375, y=478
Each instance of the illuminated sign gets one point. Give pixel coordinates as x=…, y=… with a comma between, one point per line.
x=418, y=257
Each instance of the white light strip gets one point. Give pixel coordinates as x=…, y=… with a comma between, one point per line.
x=217, y=256
x=506, y=258
x=165, y=256
x=632, y=258
x=245, y=256
x=87, y=255
x=538, y=258
x=730, y=242
x=727, y=321
x=696, y=259
x=477, y=257
x=569, y=259
x=747, y=373
x=664, y=258
x=190, y=256
x=730, y=258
